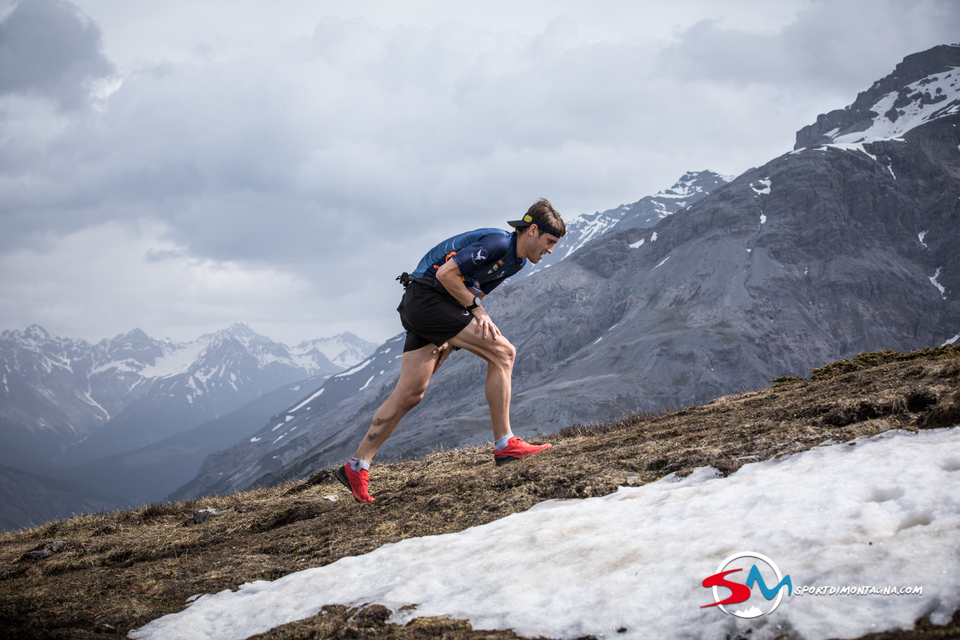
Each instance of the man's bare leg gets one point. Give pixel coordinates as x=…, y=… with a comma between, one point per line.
x=500, y=356
x=415, y=371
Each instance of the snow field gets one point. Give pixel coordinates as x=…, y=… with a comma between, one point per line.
x=877, y=512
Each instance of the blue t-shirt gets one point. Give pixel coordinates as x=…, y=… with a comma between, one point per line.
x=486, y=257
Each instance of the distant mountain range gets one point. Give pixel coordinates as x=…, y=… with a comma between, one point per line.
x=844, y=245
x=66, y=402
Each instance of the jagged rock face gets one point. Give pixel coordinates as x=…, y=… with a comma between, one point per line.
x=818, y=255
x=915, y=69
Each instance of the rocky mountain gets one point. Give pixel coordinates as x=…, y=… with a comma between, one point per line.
x=133, y=418
x=919, y=89
x=822, y=253
x=65, y=401
x=646, y=212
x=225, y=370
x=57, y=391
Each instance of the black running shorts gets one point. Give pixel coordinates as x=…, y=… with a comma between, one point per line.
x=430, y=316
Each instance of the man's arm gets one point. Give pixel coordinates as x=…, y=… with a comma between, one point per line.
x=450, y=277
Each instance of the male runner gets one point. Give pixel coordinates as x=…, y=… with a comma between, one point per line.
x=441, y=311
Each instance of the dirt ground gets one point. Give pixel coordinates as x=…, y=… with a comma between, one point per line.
x=111, y=572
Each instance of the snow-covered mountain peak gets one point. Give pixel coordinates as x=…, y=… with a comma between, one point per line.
x=935, y=96
x=69, y=389
x=646, y=212
x=36, y=332
x=344, y=349
x=923, y=88
x=242, y=332
x=693, y=183
x=238, y=330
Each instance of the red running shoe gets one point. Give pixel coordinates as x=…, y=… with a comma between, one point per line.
x=356, y=482
x=516, y=449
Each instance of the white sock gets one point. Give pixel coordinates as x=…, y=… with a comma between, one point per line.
x=357, y=464
x=501, y=443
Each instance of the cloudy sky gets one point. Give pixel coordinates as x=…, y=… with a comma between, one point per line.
x=177, y=166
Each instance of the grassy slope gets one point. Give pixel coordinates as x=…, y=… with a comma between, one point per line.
x=126, y=568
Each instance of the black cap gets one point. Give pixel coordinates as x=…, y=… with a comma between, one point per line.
x=529, y=220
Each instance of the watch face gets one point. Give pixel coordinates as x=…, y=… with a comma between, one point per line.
x=476, y=301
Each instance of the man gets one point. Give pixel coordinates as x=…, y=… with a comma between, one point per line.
x=442, y=311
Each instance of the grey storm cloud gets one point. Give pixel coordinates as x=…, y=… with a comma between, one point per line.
x=828, y=45
x=48, y=47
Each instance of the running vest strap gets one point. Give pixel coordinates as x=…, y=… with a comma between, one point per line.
x=486, y=257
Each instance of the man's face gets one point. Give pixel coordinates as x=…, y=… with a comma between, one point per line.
x=541, y=244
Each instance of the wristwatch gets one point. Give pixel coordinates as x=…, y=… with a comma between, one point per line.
x=476, y=303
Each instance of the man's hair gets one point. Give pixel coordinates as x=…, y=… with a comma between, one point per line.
x=544, y=210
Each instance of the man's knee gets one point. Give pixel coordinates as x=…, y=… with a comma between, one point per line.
x=505, y=353
x=411, y=398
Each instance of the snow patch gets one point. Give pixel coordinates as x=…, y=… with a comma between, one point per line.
x=878, y=512
x=299, y=406
x=765, y=191
x=589, y=231
x=913, y=114
x=350, y=372
x=933, y=279
x=86, y=396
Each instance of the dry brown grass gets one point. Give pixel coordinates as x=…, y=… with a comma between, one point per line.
x=126, y=568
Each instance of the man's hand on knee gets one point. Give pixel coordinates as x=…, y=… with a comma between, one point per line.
x=485, y=325
x=442, y=352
